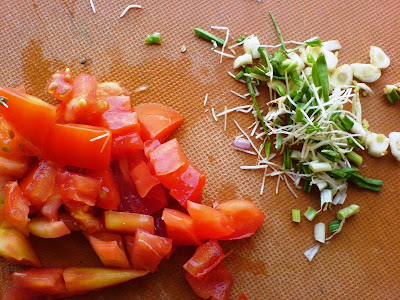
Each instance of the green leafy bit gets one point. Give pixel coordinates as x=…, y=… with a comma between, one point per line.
x=342, y=173
x=268, y=146
x=366, y=183
x=347, y=122
x=154, y=38
x=334, y=225
x=239, y=75
x=314, y=43
x=208, y=36
x=3, y=101
x=241, y=39
x=323, y=75
x=287, y=162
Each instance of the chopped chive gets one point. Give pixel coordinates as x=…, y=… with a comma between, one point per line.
x=347, y=122
x=334, y=225
x=366, y=183
x=239, y=75
x=339, y=124
x=154, y=38
x=262, y=52
x=352, y=143
x=393, y=96
x=295, y=78
x=299, y=116
x=348, y=211
x=287, y=162
x=258, y=71
x=355, y=158
x=278, y=144
x=331, y=155
x=208, y=36
x=280, y=90
x=310, y=213
x=334, y=116
x=314, y=43
x=296, y=215
x=342, y=173
x=314, y=74
x=241, y=39
x=323, y=75
x=268, y=146
x=278, y=30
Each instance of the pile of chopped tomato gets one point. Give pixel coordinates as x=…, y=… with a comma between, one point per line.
x=95, y=164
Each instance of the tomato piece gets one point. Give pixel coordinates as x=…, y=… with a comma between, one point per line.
x=242, y=296
x=83, y=214
x=156, y=199
x=108, y=197
x=128, y=222
x=42, y=227
x=15, y=247
x=180, y=227
x=16, y=207
x=33, y=126
x=143, y=178
x=60, y=85
x=121, y=123
x=206, y=258
x=216, y=284
x=77, y=145
x=246, y=216
x=40, y=282
x=78, y=187
x=149, y=146
x=167, y=158
x=109, y=247
x=82, y=280
x=124, y=145
x=110, y=89
x=14, y=167
x=209, y=222
x=147, y=250
x=157, y=121
x=51, y=206
x=71, y=222
x=43, y=175
x=84, y=107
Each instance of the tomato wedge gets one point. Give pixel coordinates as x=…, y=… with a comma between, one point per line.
x=128, y=222
x=147, y=250
x=246, y=216
x=143, y=178
x=15, y=247
x=157, y=121
x=124, y=145
x=209, y=223
x=16, y=208
x=42, y=227
x=180, y=227
x=80, y=146
x=109, y=247
x=206, y=258
x=216, y=284
x=31, y=117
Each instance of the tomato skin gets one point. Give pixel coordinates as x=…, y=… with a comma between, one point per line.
x=180, y=227
x=128, y=222
x=247, y=217
x=16, y=207
x=143, y=178
x=157, y=122
x=209, y=222
x=23, y=111
x=206, y=258
x=42, y=227
x=51, y=206
x=15, y=247
x=147, y=250
x=121, y=123
x=70, y=144
x=216, y=284
x=109, y=247
x=60, y=85
x=43, y=175
x=124, y=145
x=167, y=158
x=149, y=146
x=108, y=197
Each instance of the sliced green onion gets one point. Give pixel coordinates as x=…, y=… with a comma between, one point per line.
x=393, y=96
x=154, y=38
x=241, y=39
x=352, y=143
x=319, y=232
x=295, y=78
x=316, y=166
x=355, y=158
x=323, y=75
x=310, y=213
x=278, y=30
x=314, y=43
x=268, y=146
x=331, y=155
x=334, y=225
x=342, y=173
x=347, y=122
x=208, y=36
x=296, y=217
x=280, y=90
x=299, y=116
x=334, y=117
x=287, y=162
x=3, y=100
x=366, y=183
x=278, y=144
x=296, y=155
x=239, y=75
x=347, y=212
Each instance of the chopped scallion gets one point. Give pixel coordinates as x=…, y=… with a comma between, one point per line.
x=334, y=225
x=348, y=211
x=355, y=158
x=296, y=215
x=208, y=36
x=154, y=38
x=310, y=213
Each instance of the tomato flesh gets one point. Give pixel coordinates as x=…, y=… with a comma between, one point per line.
x=124, y=145
x=143, y=178
x=60, y=85
x=51, y=206
x=128, y=222
x=16, y=207
x=44, y=228
x=14, y=167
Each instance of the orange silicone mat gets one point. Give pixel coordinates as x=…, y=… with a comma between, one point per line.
x=37, y=37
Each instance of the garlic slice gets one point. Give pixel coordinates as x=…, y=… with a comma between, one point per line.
x=378, y=58
x=394, y=141
x=242, y=60
x=366, y=72
x=377, y=144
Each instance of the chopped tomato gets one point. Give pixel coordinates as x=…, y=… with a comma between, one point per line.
x=147, y=250
x=78, y=187
x=209, y=223
x=246, y=216
x=31, y=117
x=83, y=214
x=84, y=107
x=242, y=296
x=43, y=175
x=77, y=145
x=126, y=144
x=14, y=167
x=109, y=247
x=143, y=178
x=15, y=247
x=156, y=199
x=157, y=121
x=149, y=146
x=82, y=280
x=216, y=284
x=118, y=104
x=44, y=228
x=206, y=258
x=16, y=207
x=167, y=158
x=121, y=123
x=40, y=282
x=51, y=206
x=60, y=85
x=180, y=227
x=108, y=197
x=128, y=222
x=110, y=89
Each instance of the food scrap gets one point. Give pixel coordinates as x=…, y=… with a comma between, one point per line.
x=154, y=38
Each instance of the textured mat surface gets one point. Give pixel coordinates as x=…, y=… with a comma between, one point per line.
x=362, y=262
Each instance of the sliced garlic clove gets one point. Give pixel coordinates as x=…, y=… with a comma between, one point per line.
x=366, y=72
x=342, y=76
x=378, y=58
x=242, y=60
x=394, y=142
x=331, y=59
x=331, y=45
x=377, y=144
x=251, y=45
